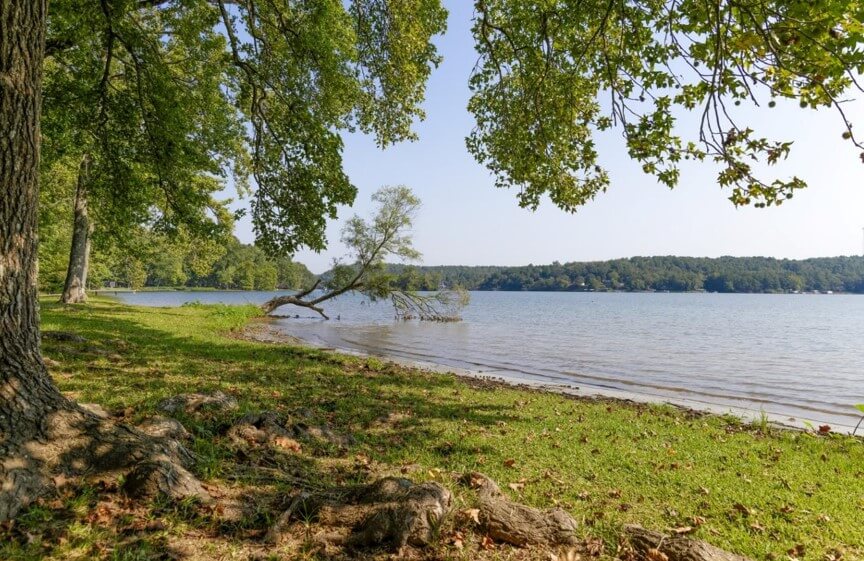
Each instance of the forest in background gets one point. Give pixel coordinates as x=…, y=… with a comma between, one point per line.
x=673, y=274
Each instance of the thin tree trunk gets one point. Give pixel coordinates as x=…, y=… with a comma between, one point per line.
x=43, y=435
x=75, y=287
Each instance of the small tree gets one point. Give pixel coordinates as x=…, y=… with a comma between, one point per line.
x=364, y=270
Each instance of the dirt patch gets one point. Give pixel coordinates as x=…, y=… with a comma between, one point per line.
x=263, y=331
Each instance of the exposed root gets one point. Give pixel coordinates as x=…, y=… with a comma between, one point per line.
x=163, y=477
x=270, y=427
x=510, y=522
x=72, y=442
x=654, y=545
x=164, y=427
x=190, y=403
x=267, y=427
x=64, y=336
x=389, y=513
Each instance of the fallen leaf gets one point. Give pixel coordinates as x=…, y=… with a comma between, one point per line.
x=569, y=555
x=487, y=543
x=517, y=486
x=509, y=463
x=471, y=514
x=457, y=540
x=824, y=429
x=682, y=530
x=654, y=554
x=287, y=444
x=477, y=480
x=594, y=546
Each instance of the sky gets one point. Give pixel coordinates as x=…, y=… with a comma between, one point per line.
x=466, y=220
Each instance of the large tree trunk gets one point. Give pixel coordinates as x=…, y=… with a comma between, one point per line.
x=44, y=436
x=75, y=287
x=26, y=391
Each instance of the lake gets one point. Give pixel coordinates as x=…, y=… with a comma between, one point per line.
x=791, y=356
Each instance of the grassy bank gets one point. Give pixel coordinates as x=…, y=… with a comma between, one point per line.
x=765, y=493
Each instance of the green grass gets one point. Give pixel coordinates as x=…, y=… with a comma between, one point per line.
x=747, y=488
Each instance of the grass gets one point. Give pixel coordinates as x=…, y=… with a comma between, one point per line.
x=755, y=490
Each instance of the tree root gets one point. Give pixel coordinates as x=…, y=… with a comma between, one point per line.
x=71, y=442
x=190, y=403
x=655, y=546
x=389, y=513
x=270, y=427
x=510, y=522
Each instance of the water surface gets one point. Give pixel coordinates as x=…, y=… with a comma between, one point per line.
x=796, y=356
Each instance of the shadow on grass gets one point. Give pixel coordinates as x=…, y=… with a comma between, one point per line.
x=128, y=364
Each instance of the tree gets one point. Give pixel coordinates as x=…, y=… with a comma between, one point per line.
x=552, y=74
x=335, y=68
x=44, y=434
x=365, y=269
x=119, y=83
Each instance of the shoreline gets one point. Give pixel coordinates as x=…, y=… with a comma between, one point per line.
x=607, y=462
x=265, y=331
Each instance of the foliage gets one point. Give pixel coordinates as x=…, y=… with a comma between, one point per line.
x=675, y=274
x=370, y=243
x=119, y=84
x=170, y=96
x=150, y=258
x=248, y=267
x=302, y=72
x=606, y=462
x=554, y=73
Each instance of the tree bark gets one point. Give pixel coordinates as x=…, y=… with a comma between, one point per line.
x=26, y=391
x=655, y=545
x=75, y=287
x=297, y=300
x=43, y=435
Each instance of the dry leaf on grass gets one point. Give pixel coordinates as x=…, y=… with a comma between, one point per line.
x=288, y=444
x=470, y=515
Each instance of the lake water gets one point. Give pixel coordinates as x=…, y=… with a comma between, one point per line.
x=792, y=356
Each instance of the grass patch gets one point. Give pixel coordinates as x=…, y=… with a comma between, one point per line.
x=750, y=489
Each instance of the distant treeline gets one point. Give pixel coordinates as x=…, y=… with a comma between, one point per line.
x=674, y=274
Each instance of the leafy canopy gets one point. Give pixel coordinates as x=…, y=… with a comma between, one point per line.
x=139, y=92
x=301, y=72
x=553, y=73
x=172, y=93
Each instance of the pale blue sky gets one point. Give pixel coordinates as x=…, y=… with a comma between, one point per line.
x=465, y=220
